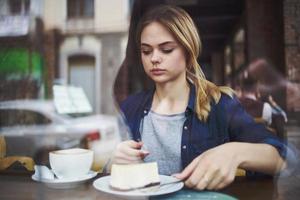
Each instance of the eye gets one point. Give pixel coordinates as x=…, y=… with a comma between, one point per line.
x=167, y=51
x=146, y=51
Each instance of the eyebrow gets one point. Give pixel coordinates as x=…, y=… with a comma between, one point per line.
x=161, y=44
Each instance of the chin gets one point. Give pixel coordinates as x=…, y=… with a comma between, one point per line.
x=160, y=81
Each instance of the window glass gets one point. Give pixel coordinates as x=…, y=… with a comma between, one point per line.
x=80, y=8
x=19, y=7
x=88, y=8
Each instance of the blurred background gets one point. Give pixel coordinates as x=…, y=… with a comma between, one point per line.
x=59, y=60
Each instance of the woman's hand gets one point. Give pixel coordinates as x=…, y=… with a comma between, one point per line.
x=129, y=152
x=213, y=170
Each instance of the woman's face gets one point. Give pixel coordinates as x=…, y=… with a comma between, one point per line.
x=162, y=56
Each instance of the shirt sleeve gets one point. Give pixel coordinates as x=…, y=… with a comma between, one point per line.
x=243, y=128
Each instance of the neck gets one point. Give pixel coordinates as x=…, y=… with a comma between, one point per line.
x=173, y=90
x=171, y=98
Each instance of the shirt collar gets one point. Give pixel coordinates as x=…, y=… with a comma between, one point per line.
x=192, y=97
x=148, y=100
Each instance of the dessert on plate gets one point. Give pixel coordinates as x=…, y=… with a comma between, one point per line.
x=134, y=176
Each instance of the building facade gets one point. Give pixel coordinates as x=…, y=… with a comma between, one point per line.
x=87, y=41
x=75, y=42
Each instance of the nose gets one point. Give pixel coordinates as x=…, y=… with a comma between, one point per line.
x=156, y=57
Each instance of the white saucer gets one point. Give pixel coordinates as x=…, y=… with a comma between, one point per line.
x=64, y=183
x=102, y=184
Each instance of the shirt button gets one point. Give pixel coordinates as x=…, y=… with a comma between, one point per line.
x=145, y=111
x=185, y=127
x=184, y=146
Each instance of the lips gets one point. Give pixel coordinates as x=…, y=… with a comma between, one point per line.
x=157, y=71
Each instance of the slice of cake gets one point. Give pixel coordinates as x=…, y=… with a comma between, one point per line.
x=132, y=176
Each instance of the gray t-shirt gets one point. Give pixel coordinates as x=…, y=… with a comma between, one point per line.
x=161, y=135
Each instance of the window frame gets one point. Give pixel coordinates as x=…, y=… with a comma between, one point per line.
x=80, y=9
x=19, y=7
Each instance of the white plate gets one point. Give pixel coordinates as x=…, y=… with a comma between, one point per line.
x=65, y=183
x=102, y=184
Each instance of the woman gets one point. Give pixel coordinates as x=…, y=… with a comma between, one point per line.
x=194, y=130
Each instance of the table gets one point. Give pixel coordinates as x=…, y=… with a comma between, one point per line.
x=20, y=186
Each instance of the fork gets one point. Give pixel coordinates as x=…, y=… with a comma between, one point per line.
x=155, y=188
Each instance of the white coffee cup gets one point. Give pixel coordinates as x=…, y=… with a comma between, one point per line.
x=71, y=163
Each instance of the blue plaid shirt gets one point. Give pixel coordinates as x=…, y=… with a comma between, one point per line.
x=227, y=122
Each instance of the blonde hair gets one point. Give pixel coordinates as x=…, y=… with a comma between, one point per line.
x=181, y=25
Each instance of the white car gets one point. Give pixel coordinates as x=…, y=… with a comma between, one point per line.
x=33, y=126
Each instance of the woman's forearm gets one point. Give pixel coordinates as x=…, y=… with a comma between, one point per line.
x=259, y=157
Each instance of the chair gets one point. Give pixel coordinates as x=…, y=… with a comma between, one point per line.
x=7, y=161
